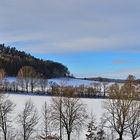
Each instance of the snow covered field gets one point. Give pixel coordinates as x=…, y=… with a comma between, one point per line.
x=93, y=105
x=72, y=82
x=65, y=81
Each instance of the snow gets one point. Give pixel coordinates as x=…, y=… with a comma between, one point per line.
x=93, y=105
x=72, y=82
x=11, y=79
x=69, y=82
x=65, y=81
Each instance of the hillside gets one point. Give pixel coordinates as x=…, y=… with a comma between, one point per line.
x=11, y=60
x=102, y=79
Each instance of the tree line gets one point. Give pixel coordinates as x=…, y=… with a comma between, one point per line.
x=64, y=114
x=69, y=114
x=121, y=115
x=29, y=81
x=11, y=60
x=123, y=109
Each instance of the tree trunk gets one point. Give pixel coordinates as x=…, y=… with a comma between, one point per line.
x=32, y=89
x=5, y=129
x=104, y=93
x=133, y=137
x=24, y=133
x=26, y=88
x=60, y=118
x=46, y=132
x=24, y=137
x=68, y=136
x=120, y=136
x=5, y=138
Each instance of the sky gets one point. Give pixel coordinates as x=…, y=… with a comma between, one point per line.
x=91, y=37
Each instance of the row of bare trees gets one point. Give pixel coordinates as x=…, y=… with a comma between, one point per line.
x=64, y=113
x=122, y=113
x=68, y=113
x=28, y=80
x=123, y=109
x=93, y=90
x=27, y=119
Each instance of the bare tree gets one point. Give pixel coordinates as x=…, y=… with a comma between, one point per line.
x=6, y=85
x=59, y=90
x=97, y=88
x=28, y=119
x=130, y=87
x=81, y=90
x=46, y=120
x=43, y=84
x=6, y=108
x=14, y=86
x=27, y=77
x=33, y=81
x=73, y=114
x=90, y=92
x=104, y=85
x=134, y=121
x=2, y=74
x=53, y=87
x=119, y=104
x=2, y=77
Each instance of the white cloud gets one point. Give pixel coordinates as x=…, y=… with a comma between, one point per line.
x=110, y=43
x=122, y=73
x=69, y=26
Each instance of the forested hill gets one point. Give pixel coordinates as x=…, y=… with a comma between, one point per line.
x=101, y=79
x=11, y=60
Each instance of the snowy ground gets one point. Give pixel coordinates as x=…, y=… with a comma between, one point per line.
x=69, y=82
x=72, y=82
x=65, y=81
x=93, y=105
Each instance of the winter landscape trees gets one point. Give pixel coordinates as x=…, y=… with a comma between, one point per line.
x=67, y=113
x=46, y=120
x=28, y=119
x=27, y=76
x=30, y=81
x=73, y=114
x=122, y=108
x=2, y=78
x=6, y=109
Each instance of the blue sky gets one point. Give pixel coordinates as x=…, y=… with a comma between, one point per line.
x=91, y=37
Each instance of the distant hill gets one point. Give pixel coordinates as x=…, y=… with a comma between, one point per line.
x=11, y=60
x=101, y=79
